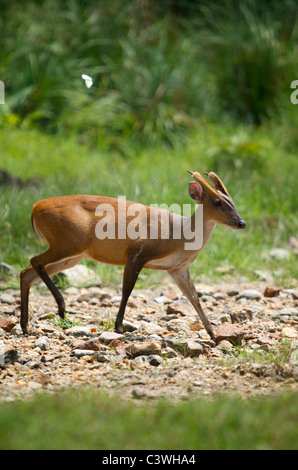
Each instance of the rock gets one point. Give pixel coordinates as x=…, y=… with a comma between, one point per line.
x=33, y=385
x=90, y=345
x=224, y=345
x=229, y=332
x=162, y=299
x=271, y=291
x=288, y=312
x=289, y=332
x=208, y=298
x=143, y=348
x=8, y=324
x=265, y=342
x=107, y=336
x=221, y=295
x=82, y=352
x=232, y=292
x=178, y=325
x=155, y=360
x=251, y=294
x=149, y=328
x=240, y=314
x=103, y=356
x=7, y=299
x=79, y=331
x=8, y=356
x=279, y=253
x=170, y=352
x=43, y=343
x=264, y=275
x=77, y=276
x=129, y=326
x=170, y=293
x=192, y=349
x=6, y=270
x=177, y=308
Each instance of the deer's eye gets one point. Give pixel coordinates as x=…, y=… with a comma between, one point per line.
x=217, y=203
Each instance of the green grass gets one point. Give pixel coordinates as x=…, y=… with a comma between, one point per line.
x=85, y=420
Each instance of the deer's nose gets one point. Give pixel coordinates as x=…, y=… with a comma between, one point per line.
x=241, y=224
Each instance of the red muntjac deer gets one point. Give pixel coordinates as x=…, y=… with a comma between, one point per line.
x=73, y=227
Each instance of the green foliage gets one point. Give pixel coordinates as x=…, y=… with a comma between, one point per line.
x=155, y=73
x=85, y=420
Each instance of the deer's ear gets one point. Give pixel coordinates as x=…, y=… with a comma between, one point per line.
x=195, y=191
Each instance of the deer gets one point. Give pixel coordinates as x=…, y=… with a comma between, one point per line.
x=72, y=226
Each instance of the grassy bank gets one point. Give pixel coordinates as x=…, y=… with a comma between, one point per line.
x=82, y=420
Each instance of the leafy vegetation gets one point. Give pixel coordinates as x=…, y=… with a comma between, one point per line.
x=156, y=69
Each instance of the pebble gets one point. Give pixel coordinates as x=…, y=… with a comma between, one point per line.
x=229, y=332
x=79, y=331
x=7, y=324
x=193, y=349
x=289, y=332
x=108, y=336
x=82, y=352
x=43, y=343
x=7, y=299
x=251, y=294
x=155, y=360
x=279, y=253
x=271, y=291
x=143, y=348
x=149, y=328
x=6, y=270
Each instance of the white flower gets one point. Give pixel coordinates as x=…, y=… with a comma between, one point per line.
x=88, y=80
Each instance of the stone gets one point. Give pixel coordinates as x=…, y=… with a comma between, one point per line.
x=143, y=348
x=8, y=324
x=177, y=308
x=79, y=331
x=224, y=345
x=7, y=299
x=6, y=270
x=90, y=345
x=271, y=291
x=129, y=326
x=82, y=352
x=279, y=253
x=9, y=356
x=155, y=360
x=288, y=312
x=264, y=275
x=43, y=343
x=240, y=314
x=208, y=298
x=149, y=328
x=107, y=336
x=251, y=294
x=77, y=276
x=230, y=332
x=289, y=332
x=161, y=299
x=192, y=348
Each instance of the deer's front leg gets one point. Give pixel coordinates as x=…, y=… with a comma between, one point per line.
x=186, y=285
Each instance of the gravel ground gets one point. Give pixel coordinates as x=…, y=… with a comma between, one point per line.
x=165, y=351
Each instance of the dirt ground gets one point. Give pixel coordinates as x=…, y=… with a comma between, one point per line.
x=165, y=352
